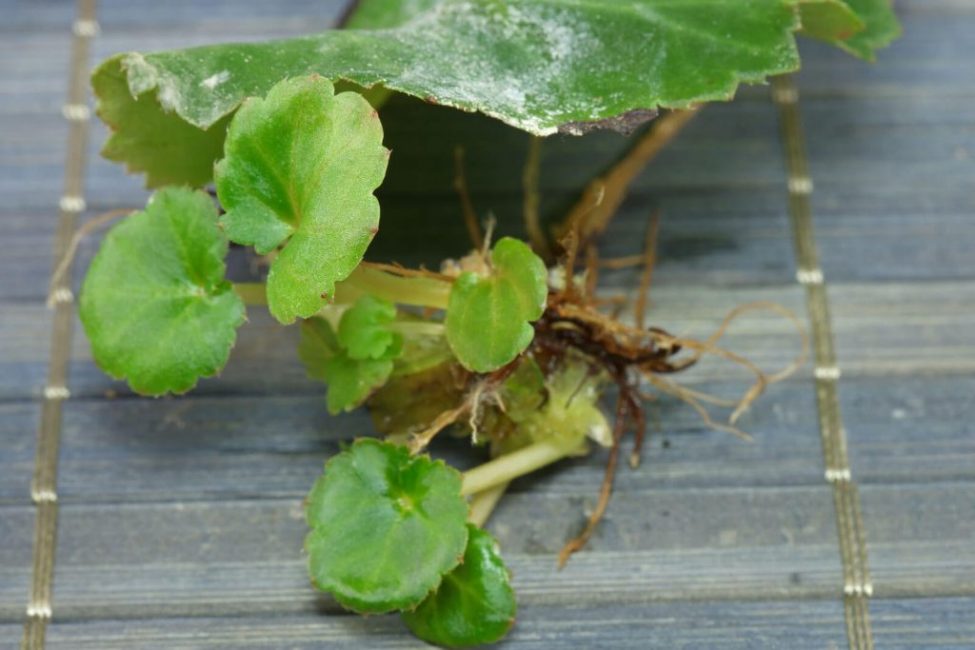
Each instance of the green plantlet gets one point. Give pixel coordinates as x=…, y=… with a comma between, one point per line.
x=489, y=316
x=155, y=303
x=499, y=347
x=298, y=174
x=385, y=527
x=357, y=360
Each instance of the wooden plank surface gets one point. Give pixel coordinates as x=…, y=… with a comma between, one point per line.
x=180, y=520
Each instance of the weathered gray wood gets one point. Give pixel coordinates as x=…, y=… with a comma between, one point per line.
x=906, y=624
x=761, y=624
x=881, y=329
x=140, y=450
x=17, y=535
x=728, y=543
x=911, y=429
x=921, y=538
x=733, y=625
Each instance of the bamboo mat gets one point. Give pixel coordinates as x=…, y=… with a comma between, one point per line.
x=845, y=194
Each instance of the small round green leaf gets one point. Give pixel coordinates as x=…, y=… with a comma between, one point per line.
x=155, y=304
x=385, y=527
x=300, y=169
x=364, y=329
x=489, y=318
x=475, y=603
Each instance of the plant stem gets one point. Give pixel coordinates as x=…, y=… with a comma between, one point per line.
x=483, y=504
x=529, y=181
x=417, y=328
x=419, y=291
x=603, y=196
x=252, y=293
x=518, y=463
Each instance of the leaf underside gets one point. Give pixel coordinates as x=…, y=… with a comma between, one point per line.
x=474, y=604
x=385, y=527
x=154, y=303
x=537, y=65
x=299, y=172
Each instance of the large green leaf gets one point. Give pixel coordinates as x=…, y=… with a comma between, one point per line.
x=489, y=317
x=385, y=527
x=475, y=603
x=154, y=303
x=300, y=169
x=539, y=65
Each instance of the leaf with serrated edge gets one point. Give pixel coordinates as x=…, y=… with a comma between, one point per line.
x=474, y=604
x=488, y=318
x=364, y=329
x=536, y=65
x=300, y=169
x=170, y=150
x=385, y=527
x=154, y=303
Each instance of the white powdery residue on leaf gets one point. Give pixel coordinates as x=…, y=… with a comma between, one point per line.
x=215, y=80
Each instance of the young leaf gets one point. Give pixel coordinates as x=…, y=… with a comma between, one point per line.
x=538, y=66
x=385, y=527
x=350, y=381
x=489, y=318
x=358, y=359
x=882, y=27
x=300, y=169
x=317, y=345
x=155, y=304
x=829, y=20
x=572, y=408
x=475, y=603
x=364, y=329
